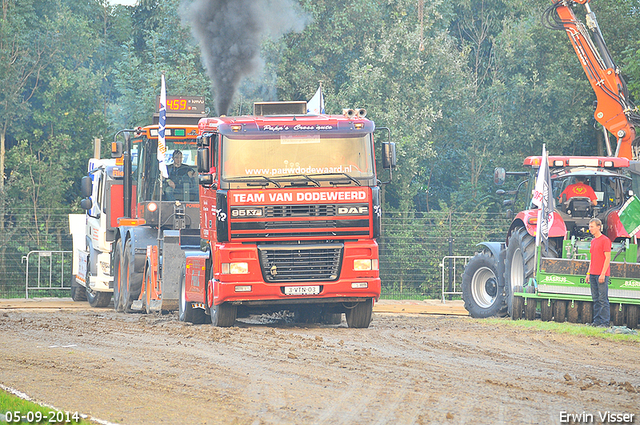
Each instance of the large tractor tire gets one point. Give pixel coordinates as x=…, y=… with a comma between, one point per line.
x=520, y=262
x=359, y=316
x=186, y=312
x=482, y=291
x=118, y=301
x=132, y=281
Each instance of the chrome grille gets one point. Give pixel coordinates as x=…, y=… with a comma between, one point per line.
x=300, y=263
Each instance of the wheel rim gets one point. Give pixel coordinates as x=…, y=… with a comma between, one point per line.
x=517, y=269
x=484, y=287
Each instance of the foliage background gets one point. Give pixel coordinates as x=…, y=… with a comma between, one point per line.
x=464, y=85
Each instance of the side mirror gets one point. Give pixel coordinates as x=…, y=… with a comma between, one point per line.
x=499, y=176
x=204, y=162
x=203, y=140
x=86, y=187
x=116, y=149
x=388, y=155
x=86, y=204
x=207, y=180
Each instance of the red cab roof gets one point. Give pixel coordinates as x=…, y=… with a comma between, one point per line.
x=578, y=161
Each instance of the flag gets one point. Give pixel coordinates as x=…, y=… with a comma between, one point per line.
x=316, y=105
x=162, y=123
x=543, y=198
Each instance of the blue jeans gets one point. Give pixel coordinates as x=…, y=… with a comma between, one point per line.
x=600, y=295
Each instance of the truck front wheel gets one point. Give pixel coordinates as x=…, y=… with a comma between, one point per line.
x=223, y=315
x=77, y=291
x=98, y=299
x=482, y=291
x=359, y=316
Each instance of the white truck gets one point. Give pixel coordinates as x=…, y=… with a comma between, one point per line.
x=93, y=236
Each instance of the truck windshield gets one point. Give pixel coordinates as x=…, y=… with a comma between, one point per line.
x=184, y=179
x=304, y=160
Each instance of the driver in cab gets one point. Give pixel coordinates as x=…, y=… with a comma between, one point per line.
x=179, y=173
x=579, y=189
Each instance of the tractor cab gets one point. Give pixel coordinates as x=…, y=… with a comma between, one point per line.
x=584, y=193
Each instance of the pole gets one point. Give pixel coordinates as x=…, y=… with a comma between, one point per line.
x=127, y=175
x=450, y=289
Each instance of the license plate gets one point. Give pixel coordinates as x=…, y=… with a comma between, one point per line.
x=301, y=290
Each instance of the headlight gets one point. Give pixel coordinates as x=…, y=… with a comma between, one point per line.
x=365, y=264
x=235, y=268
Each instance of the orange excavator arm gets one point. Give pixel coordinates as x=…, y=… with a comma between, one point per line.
x=614, y=109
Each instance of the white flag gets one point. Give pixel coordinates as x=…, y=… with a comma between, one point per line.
x=162, y=123
x=316, y=105
x=543, y=198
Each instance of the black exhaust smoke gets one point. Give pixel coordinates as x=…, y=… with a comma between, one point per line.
x=230, y=33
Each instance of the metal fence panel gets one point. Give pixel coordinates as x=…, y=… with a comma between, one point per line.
x=47, y=271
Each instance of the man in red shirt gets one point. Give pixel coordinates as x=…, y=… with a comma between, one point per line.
x=598, y=275
x=579, y=189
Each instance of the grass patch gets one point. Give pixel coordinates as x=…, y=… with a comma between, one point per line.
x=615, y=333
x=34, y=413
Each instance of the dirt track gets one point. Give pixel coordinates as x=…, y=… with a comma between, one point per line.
x=404, y=369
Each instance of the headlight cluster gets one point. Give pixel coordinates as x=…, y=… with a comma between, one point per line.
x=365, y=264
x=235, y=268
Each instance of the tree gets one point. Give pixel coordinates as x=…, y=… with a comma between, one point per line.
x=28, y=45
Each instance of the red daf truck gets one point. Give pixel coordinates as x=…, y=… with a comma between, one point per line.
x=290, y=213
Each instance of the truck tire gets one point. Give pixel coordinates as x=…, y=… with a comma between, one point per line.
x=98, y=299
x=77, y=291
x=632, y=316
x=482, y=292
x=223, y=315
x=118, y=302
x=360, y=315
x=186, y=312
x=518, y=305
x=519, y=261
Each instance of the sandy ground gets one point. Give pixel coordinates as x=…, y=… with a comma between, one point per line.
x=405, y=368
